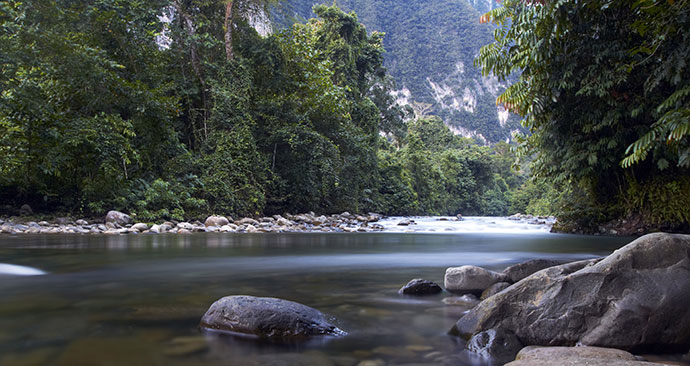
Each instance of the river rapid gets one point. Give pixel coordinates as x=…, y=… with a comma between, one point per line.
x=137, y=299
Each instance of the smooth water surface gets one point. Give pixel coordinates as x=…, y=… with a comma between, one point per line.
x=137, y=300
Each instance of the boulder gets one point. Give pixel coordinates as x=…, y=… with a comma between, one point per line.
x=247, y=221
x=156, y=229
x=405, y=222
x=216, y=221
x=419, y=286
x=470, y=279
x=521, y=270
x=267, y=317
x=494, y=289
x=117, y=217
x=496, y=344
x=467, y=301
x=319, y=220
x=576, y=356
x=82, y=222
x=140, y=227
x=635, y=298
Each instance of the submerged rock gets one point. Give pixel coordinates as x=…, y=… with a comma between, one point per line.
x=419, y=287
x=470, y=279
x=267, y=317
x=501, y=345
x=635, y=297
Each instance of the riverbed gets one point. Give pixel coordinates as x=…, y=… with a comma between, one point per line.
x=137, y=299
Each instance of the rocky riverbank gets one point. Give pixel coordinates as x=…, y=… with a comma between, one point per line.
x=120, y=223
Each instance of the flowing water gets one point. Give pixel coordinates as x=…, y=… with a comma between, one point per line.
x=137, y=300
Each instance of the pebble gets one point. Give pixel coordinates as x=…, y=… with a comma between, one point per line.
x=308, y=222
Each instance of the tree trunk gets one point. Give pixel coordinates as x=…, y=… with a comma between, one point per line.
x=228, y=30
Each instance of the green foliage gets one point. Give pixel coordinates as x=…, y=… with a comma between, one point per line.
x=618, y=110
x=664, y=200
x=430, y=41
x=104, y=106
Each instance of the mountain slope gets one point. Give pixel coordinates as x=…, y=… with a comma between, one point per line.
x=431, y=45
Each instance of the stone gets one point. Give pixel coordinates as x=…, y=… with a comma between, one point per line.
x=576, y=356
x=496, y=344
x=267, y=317
x=25, y=210
x=140, y=227
x=467, y=300
x=185, y=225
x=470, y=279
x=636, y=297
x=405, y=222
x=521, y=270
x=319, y=220
x=284, y=222
x=156, y=229
x=82, y=222
x=247, y=221
x=216, y=221
x=558, y=353
x=459, y=217
x=494, y=289
x=184, y=231
x=117, y=217
x=419, y=287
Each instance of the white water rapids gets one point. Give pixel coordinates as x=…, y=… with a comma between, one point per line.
x=472, y=224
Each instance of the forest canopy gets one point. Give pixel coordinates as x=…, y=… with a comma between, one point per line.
x=174, y=110
x=605, y=92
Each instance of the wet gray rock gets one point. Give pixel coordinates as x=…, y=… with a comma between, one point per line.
x=494, y=289
x=140, y=227
x=522, y=270
x=470, y=279
x=405, y=222
x=635, y=297
x=247, y=221
x=216, y=221
x=496, y=344
x=420, y=287
x=117, y=217
x=267, y=317
x=575, y=356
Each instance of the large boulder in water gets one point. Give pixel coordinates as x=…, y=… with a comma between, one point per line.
x=267, y=317
x=471, y=279
x=519, y=271
x=635, y=298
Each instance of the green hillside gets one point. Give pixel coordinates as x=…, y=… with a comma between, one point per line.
x=430, y=50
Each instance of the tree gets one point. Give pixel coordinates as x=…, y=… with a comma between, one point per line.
x=605, y=110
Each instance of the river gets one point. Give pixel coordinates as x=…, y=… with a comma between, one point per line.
x=137, y=299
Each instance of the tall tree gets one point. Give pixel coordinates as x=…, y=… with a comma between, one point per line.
x=604, y=91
